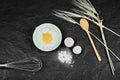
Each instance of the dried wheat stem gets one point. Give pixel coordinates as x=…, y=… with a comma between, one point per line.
x=104, y=45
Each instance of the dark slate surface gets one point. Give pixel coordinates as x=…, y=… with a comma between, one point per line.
x=18, y=19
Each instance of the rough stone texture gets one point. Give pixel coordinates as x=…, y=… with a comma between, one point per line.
x=18, y=19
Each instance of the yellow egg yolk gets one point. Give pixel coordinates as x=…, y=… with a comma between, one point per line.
x=47, y=37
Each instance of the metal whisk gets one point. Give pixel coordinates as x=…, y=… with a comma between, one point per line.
x=32, y=64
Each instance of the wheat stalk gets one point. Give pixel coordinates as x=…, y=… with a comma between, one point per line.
x=86, y=10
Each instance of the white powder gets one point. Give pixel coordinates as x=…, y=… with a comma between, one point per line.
x=65, y=56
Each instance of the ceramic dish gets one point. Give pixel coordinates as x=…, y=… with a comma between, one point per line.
x=47, y=37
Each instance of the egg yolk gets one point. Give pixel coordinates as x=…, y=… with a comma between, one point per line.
x=47, y=37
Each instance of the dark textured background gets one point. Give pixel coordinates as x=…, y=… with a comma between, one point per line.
x=18, y=19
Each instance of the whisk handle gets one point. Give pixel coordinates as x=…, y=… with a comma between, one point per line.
x=3, y=65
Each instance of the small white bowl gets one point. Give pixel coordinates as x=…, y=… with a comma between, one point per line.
x=69, y=42
x=77, y=49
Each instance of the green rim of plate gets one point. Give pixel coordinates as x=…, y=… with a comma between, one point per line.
x=40, y=28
